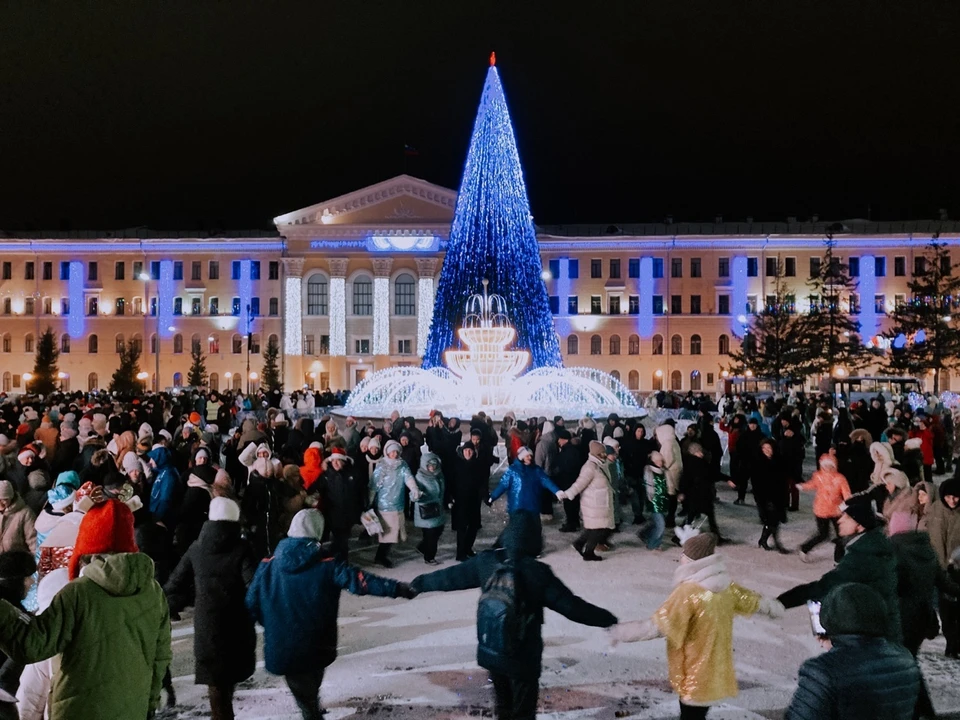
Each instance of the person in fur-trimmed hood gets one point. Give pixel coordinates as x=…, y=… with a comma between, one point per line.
x=697, y=621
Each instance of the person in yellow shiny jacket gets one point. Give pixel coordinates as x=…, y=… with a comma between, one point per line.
x=697, y=621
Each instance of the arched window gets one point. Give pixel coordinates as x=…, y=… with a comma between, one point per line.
x=255, y=343
x=213, y=344
x=695, y=344
x=596, y=345
x=120, y=306
x=273, y=340
x=177, y=344
x=237, y=382
x=93, y=305
x=615, y=374
x=633, y=380
x=573, y=344
x=633, y=345
x=657, y=345
x=404, y=295
x=195, y=345
x=93, y=345
x=92, y=382
x=695, y=383
x=676, y=380
x=724, y=345
x=317, y=295
x=676, y=345
x=614, y=344
x=236, y=344
x=65, y=344
x=136, y=343
x=657, y=380
x=153, y=344
x=7, y=382
x=7, y=343
x=362, y=296
x=214, y=382
x=178, y=377
x=119, y=343
x=28, y=343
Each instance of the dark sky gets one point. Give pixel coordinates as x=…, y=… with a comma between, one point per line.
x=224, y=114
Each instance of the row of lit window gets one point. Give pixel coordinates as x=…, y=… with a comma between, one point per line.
x=614, y=346
x=361, y=346
x=13, y=381
x=120, y=270
x=404, y=295
x=136, y=341
x=676, y=380
x=120, y=306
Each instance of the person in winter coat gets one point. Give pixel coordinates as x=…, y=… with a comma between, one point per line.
x=856, y=463
x=516, y=678
x=216, y=570
x=697, y=621
x=596, y=503
x=697, y=487
x=869, y=559
x=164, y=490
x=17, y=531
x=943, y=523
x=831, y=490
x=748, y=446
x=771, y=488
x=387, y=489
x=635, y=452
x=863, y=675
x=912, y=462
x=312, y=465
x=16, y=567
x=467, y=485
x=655, y=487
x=68, y=449
x=428, y=511
x=792, y=451
x=569, y=462
x=672, y=466
x=262, y=503
x=113, y=622
x=523, y=482
x=302, y=568
x=339, y=495
x=60, y=499
x=196, y=499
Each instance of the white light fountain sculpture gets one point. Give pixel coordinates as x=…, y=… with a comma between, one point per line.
x=484, y=377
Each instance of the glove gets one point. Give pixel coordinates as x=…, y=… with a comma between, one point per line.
x=771, y=607
x=404, y=590
x=489, y=501
x=561, y=495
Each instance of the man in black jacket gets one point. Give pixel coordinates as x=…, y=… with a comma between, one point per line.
x=569, y=462
x=516, y=679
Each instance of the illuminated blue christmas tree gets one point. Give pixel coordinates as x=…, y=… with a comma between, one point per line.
x=493, y=238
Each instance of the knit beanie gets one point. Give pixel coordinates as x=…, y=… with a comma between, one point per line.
x=130, y=463
x=6, y=490
x=222, y=508
x=597, y=449
x=523, y=452
x=306, y=524
x=854, y=609
x=391, y=446
x=37, y=480
x=860, y=508
x=16, y=565
x=700, y=546
x=562, y=434
x=107, y=527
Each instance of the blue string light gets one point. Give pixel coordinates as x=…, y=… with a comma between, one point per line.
x=867, y=287
x=493, y=238
x=75, y=319
x=165, y=300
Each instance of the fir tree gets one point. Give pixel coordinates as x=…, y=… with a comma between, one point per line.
x=925, y=335
x=829, y=337
x=492, y=237
x=197, y=376
x=771, y=346
x=270, y=377
x=44, y=380
x=124, y=380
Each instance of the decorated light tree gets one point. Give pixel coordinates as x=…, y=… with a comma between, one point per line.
x=493, y=238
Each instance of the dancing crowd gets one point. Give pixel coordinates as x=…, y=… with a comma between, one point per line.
x=118, y=513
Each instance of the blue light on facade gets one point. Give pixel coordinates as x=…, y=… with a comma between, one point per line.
x=868, y=289
x=563, y=286
x=75, y=320
x=645, y=290
x=738, y=276
x=246, y=292
x=165, y=293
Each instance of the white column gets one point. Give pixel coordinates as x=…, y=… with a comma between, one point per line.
x=338, y=306
x=293, y=306
x=427, y=269
x=381, y=305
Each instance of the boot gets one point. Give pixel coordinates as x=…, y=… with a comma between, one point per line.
x=764, y=536
x=779, y=545
x=381, y=556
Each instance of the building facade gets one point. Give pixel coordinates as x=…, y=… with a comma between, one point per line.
x=346, y=287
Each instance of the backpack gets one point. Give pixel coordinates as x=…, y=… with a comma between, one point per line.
x=504, y=619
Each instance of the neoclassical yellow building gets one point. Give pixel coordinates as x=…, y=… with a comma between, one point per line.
x=346, y=286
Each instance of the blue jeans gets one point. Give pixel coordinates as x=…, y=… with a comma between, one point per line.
x=652, y=530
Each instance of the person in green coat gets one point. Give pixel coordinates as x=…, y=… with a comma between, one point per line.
x=869, y=559
x=110, y=626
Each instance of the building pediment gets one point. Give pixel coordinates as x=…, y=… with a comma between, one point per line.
x=403, y=200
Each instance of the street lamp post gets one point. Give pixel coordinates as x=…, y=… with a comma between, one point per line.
x=146, y=289
x=249, y=339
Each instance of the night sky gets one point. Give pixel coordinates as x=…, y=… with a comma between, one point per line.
x=202, y=115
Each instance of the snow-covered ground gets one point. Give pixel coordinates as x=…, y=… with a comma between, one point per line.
x=415, y=659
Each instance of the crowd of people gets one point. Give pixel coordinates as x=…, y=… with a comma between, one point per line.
x=117, y=514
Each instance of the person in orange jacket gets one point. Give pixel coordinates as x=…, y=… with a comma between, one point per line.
x=831, y=489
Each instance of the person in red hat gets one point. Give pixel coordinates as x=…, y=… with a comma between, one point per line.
x=110, y=621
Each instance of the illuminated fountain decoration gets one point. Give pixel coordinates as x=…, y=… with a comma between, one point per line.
x=484, y=376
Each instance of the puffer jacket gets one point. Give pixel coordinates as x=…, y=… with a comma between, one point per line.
x=596, y=501
x=672, y=461
x=943, y=522
x=388, y=481
x=859, y=678
x=17, y=531
x=655, y=481
x=111, y=622
x=830, y=486
x=164, y=488
x=432, y=490
x=523, y=483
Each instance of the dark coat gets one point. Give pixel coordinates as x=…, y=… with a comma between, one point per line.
x=696, y=485
x=66, y=454
x=261, y=507
x=468, y=486
x=216, y=571
x=522, y=541
x=860, y=678
x=917, y=574
x=771, y=487
x=569, y=462
x=856, y=467
x=870, y=560
x=295, y=595
x=342, y=497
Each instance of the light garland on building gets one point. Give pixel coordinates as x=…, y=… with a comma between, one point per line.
x=75, y=319
x=867, y=287
x=424, y=312
x=165, y=290
x=246, y=292
x=292, y=316
x=645, y=290
x=338, y=316
x=738, y=303
x=381, y=316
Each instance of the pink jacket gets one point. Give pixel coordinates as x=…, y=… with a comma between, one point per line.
x=831, y=488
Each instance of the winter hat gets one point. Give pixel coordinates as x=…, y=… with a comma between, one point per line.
x=130, y=463
x=913, y=443
x=144, y=431
x=306, y=524
x=16, y=565
x=4, y=441
x=562, y=434
x=861, y=435
x=587, y=423
x=38, y=480
x=828, y=462
x=374, y=444
x=895, y=477
x=612, y=443
x=391, y=446
x=100, y=423
x=316, y=445
x=6, y=490
x=28, y=453
x=337, y=453
x=189, y=427
x=597, y=448
x=194, y=418
x=85, y=426
x=69, y=479
x=656, y=458
x=60, y=497
x=202, y=452
x=106, y=528
x=67, y=431
x=222, y=508
x=364, y=444
x=164, y=433
x=854, y=609
x=523, y=452
x=860, y=508
x=949, y=487
x=700, y=546
x=291, y=473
